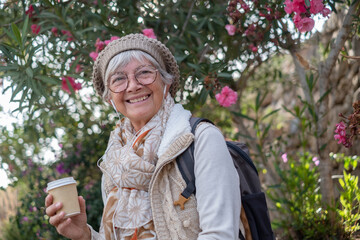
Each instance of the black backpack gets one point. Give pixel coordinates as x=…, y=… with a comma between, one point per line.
x=254, y=212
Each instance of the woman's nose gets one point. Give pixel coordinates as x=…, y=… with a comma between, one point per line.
x=133, y=84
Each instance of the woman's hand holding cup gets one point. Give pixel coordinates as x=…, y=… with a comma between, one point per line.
x=67, y=211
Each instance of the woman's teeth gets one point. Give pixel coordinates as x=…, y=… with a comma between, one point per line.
x=138, y=99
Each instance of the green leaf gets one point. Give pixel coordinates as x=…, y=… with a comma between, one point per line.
x=8, y=68
x=24, y=31
x=5, y=50
x=29, y=72
x=243, y=116
x=32, y=50
x=181, y=58
x=224, y=75
x=323, y=146
x=194, y=66
x=264, y=133
x=289, y=111
x=16, y=32
x=18, y=88
x=324, y=95
x=269, y=114
x=203, y=96
x=48, y=15
x=47, y=79
x=257, y=102
x=10, y=34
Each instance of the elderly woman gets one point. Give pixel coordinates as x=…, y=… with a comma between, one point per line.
x=141, y=181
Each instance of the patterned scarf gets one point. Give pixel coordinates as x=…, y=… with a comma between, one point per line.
x=128, y=167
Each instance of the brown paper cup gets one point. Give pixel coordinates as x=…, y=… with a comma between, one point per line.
x=64, y=190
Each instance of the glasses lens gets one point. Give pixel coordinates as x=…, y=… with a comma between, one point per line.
x=146, y=75
x=118, y=82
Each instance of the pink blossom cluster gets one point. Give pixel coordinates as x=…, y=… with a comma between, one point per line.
x=35, y=29
x=316, y=161
x=78, y=67
x=346, y=132
x=226, y=97
x=237, y=8
x=231, y=29
x=302, y=12
x=149, y=32
x=270, y=14
x=68, y=34
x=75, y=86
x=341, y=135
x=284, y=157
x=30, y=11
x=341, y=132
x=100, y=45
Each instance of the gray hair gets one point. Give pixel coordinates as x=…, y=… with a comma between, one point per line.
x=124, y=58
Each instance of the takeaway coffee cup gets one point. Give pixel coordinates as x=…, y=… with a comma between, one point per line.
x=64, y=190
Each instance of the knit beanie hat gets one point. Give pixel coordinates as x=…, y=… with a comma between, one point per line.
x=135, y=42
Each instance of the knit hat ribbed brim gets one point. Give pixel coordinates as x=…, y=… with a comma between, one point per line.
x=135, y=42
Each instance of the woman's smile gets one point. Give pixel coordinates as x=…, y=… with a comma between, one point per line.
x=138, y=99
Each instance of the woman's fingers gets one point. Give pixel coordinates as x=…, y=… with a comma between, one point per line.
x=57, y=219
x=82, y=204
x=61, y=227
x=53, y=208
x=48, y=200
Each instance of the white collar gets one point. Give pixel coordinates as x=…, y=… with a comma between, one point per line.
x=177, y=124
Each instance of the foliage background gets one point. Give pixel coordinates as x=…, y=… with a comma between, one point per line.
x=288, y=100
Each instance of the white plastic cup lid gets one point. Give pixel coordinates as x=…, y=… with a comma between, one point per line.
x=60, y=182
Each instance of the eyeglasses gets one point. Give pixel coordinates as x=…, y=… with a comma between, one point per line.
x=145, y=75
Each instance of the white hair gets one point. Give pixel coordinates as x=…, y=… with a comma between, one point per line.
x=124, y=58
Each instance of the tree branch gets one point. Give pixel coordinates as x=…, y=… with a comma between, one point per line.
x=187, y=19
x=341, y=38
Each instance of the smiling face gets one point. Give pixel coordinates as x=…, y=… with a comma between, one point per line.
x=138, y=102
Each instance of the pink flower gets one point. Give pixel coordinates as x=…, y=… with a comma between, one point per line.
x=54, y=30
x=325, y=12
x=284, y=157
x=111, y=39
x=99, y=45
x=231, y=29
x=94, y=55
x=30, y=11
x=299, y=6
x=245, y=7
x=149, y=32
x=60, y=168
x=253, y=48
x=316, y=161
x=68, y=34
x=25, y=219
x=78, y=68
x=341, y=133
x=316, y=6
x=288, y=6
x=303, y=24
x=226, y=97
x=65, y=87
x=35, y=29
x=250, y=30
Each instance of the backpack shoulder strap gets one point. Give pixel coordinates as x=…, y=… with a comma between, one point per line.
x=186, y=161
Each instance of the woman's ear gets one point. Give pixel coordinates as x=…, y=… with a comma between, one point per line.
x=108, y=100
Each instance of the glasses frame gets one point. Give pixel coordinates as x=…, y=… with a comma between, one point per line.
x=127, y=78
